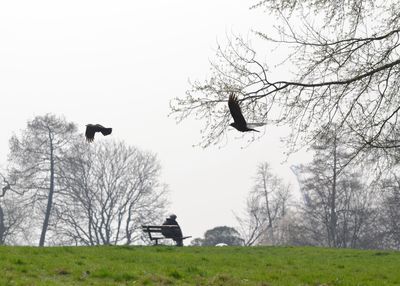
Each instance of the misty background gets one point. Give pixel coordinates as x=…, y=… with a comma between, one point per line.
x=119, y=64
x=321, y=79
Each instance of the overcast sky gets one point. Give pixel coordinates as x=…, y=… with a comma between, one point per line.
x=119, y=63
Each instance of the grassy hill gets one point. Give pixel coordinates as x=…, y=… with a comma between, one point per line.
x=163, y=265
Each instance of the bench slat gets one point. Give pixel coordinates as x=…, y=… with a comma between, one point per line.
x=160, y=226
x=151, y=230
x=154, y=238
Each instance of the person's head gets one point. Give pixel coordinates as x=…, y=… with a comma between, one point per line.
x=172, y=216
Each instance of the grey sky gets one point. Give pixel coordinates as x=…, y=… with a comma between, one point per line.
x=119, y=63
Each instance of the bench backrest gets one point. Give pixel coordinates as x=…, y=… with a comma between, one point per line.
x=157, y=228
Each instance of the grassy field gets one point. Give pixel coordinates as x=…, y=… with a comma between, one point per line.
x=163, y=265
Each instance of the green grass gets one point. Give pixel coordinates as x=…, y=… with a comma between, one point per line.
x=163, y=265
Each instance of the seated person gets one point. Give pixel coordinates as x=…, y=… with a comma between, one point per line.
x=174, y=232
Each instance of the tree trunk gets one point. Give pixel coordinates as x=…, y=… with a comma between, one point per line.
x=50, y=197
x=2, y=226
x=270, y=226
x=333, y=218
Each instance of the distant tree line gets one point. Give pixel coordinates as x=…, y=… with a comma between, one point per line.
x=340, y=205
x=59, y=190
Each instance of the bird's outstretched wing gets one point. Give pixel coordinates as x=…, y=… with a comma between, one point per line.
x=236, y=113
x=105, y=131
x=91, y=129
x=89, y=134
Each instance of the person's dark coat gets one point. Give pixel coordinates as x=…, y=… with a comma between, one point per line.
x=172, y=232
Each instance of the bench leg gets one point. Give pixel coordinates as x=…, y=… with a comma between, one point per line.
x=179, y=242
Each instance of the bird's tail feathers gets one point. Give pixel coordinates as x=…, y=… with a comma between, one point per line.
x=106, y=131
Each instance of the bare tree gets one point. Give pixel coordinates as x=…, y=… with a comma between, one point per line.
x=251, y=223
x=266, y=206
x=35, y=158
x=109, y=190
x=345, y=61
x=389, y=212
x=12, y=211
x=337, y=205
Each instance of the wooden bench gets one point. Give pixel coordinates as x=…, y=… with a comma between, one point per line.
x=152, y=229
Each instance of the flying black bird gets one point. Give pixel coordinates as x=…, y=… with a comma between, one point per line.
x=91, y=129
x=239, y=121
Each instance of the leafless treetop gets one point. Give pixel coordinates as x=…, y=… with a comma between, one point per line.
x=344, y=57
